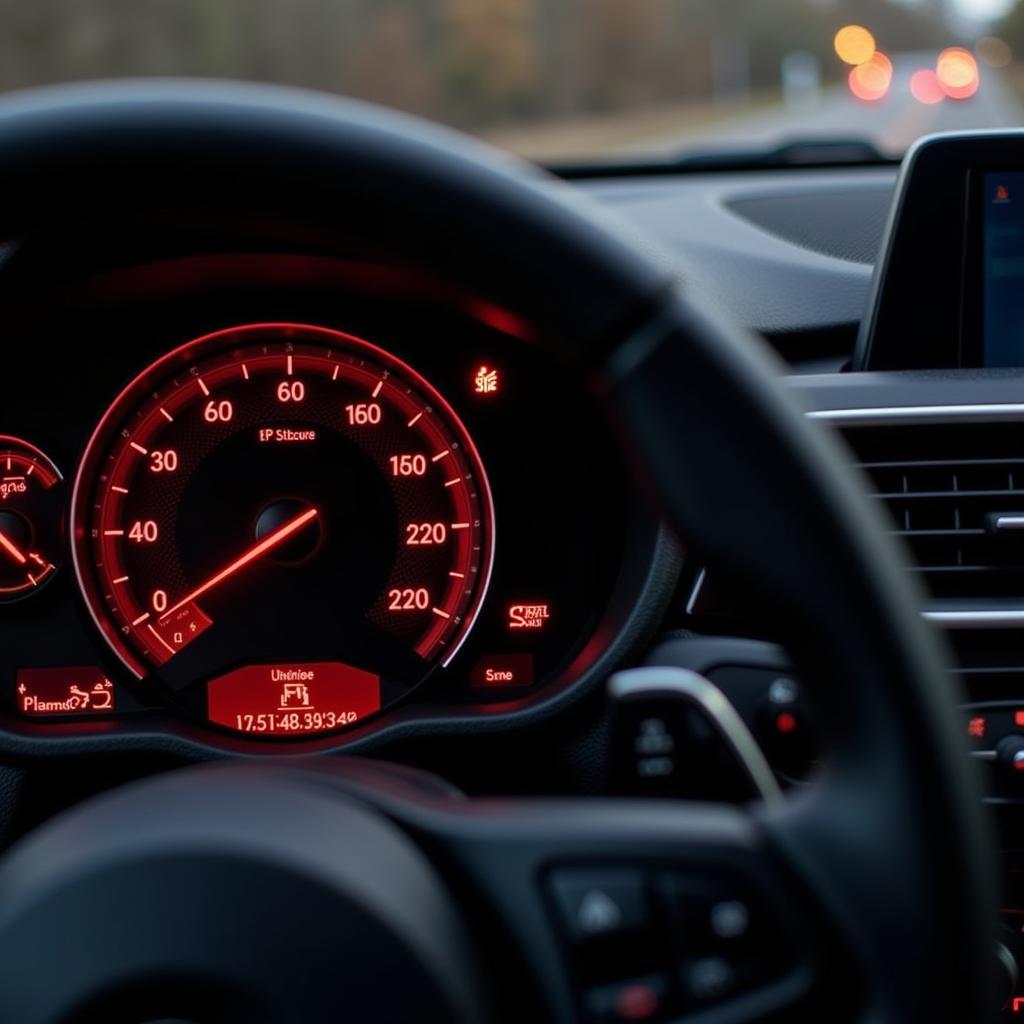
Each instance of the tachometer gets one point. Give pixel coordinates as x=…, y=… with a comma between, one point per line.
x=285, y=526
x=31, y=503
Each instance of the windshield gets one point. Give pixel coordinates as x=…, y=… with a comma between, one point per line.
x=573, y=80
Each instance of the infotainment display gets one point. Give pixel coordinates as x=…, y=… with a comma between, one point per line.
x=948, y=285
x=1002, y=284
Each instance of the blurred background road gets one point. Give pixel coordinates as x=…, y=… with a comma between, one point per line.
x=567, y=80
x=892, y=122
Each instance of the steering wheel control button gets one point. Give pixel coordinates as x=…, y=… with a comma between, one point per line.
x=709, y=979
x=730, y=919
x=674, y=731
x=707, y=914
x=608, y=917
x=724, y=939
x=597, y=904
x=784, y=728
x=658, y=747
x=788, y=739
x=783, y=691
x=635, y=1000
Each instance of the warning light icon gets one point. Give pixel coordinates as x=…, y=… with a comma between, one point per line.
x=528, y=616
x=294, y=695
x=64, y=691
x=485, y=381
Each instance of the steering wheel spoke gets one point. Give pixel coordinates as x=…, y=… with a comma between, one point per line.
x=631, y=910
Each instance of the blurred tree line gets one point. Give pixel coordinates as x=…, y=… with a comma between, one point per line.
x=1012, y=28
x=473, y=63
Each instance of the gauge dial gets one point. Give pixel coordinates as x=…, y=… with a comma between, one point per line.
x=31, y=502
x=283, y=525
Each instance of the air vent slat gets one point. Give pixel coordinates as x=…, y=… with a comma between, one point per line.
x=944, y=486
x=952, y=495
x=1019, y=460
x=938, y=533
x=956, y=568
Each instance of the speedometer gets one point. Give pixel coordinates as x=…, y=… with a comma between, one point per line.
x=284, y=526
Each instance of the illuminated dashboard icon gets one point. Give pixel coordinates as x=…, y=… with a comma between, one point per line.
x=503, y=670
x=486, y=381
x=31, y=503
x=528, y=616
x=52, y=692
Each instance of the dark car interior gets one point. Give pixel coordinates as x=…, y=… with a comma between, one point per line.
x=437, y=589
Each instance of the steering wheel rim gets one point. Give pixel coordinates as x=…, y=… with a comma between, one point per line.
x=891, y=843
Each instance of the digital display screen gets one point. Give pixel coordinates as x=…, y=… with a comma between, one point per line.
x=289, y=700
x=1003, y=269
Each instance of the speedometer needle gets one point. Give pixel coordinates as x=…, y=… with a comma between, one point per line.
x=11, y=548
x=271, y=541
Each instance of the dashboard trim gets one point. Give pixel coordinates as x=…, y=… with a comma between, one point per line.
x=880, y=415
x=977, y=618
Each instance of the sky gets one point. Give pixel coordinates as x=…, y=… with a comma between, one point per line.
x=982, y=9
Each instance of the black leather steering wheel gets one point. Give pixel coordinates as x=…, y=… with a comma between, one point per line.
x=294, y=892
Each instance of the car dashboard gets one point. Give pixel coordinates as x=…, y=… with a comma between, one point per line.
x=328, y=434
x=890, y=298
x=208, y=428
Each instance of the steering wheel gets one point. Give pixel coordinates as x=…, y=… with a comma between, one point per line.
x=322, y=891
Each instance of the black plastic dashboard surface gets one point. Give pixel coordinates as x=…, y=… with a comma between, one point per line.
x=772, y=250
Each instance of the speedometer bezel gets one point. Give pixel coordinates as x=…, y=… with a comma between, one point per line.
x=181, y=359
x=180, y=298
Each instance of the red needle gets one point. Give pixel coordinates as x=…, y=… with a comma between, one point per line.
x=268, y=543
x=8, y=545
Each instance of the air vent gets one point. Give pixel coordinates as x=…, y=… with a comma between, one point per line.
x=955, y=493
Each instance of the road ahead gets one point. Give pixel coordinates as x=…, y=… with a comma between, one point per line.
x=892, y=123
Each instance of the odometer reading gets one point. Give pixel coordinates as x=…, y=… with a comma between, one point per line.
x=277, y=723
x=277, y=495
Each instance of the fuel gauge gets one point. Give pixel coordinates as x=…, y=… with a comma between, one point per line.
x=31, y=510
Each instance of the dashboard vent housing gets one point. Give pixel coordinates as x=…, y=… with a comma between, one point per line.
x=955, y=493
x=846, y=224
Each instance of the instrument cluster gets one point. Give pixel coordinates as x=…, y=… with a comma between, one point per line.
x=299, y=514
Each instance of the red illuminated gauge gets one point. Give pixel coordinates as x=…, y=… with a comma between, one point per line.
x=31, y=504
x=283, y=525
